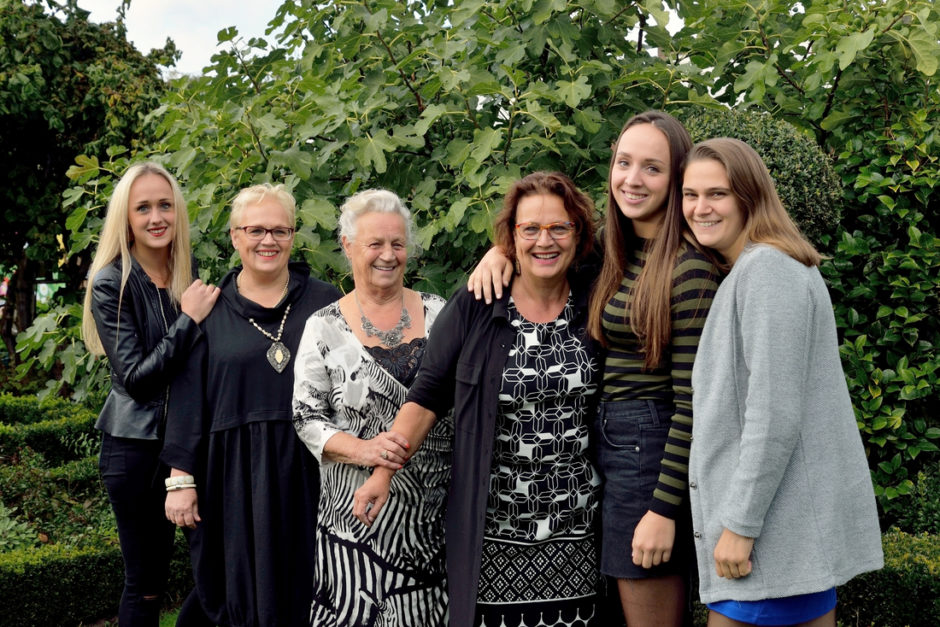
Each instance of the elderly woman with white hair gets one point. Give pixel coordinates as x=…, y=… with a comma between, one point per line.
x=355, y=363
x=241, y=482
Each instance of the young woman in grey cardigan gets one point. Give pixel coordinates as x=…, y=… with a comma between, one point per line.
x=782, y=502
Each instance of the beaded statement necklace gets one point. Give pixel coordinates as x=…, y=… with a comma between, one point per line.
x=278, y=355
x=392, y=337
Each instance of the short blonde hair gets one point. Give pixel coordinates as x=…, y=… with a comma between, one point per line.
x=257, y=193
x=368, y=201
x=115, y=242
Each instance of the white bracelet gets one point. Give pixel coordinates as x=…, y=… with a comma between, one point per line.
x=181, y=480
x=182, y=486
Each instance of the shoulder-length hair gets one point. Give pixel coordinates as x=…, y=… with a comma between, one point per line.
x=256, y=194
x=115, y=243
x=765, y=219
x=649, y=302
x=579, y=207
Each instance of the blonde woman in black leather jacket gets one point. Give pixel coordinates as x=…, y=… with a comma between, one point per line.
x=142, y=310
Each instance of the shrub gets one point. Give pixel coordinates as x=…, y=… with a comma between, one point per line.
x=884, y=276
x=28, y=410
x=906, y=592
x=57, y=585
x=14, y=534
x=921, y=511
x=65, y=504
x=806, y=181
x=54, y=438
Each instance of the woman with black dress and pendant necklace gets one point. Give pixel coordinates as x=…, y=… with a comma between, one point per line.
x=241, y=482
x=355, y=363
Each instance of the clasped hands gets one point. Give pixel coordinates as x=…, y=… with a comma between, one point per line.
x=372, y=495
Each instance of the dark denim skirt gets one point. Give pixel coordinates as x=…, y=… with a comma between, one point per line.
x=631, y=438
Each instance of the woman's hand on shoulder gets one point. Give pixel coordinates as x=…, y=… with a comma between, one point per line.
x=653, y=539
x=198, y=300
x=491, y=275
x=371, y=496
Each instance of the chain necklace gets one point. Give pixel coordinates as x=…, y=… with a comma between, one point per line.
x=392, y=337
x=278, y=355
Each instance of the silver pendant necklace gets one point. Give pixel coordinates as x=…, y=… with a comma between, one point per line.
x=278, y=355
x=392, y=337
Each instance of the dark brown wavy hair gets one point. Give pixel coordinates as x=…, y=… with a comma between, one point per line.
x=579, y=207
x=650, y=300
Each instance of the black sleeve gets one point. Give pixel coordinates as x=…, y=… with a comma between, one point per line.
x=433, y=387
x=143, y=373
x=186, y=421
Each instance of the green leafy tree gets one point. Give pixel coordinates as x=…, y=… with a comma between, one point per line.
x=445, y=103
x=67, y=87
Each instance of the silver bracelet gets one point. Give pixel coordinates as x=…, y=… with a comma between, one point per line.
x=182, y=486
x=181, y=480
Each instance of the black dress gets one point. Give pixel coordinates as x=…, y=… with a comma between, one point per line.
x=229, y=424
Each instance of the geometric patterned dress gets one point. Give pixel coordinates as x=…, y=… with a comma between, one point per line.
x=393, y=572
x=540, y=556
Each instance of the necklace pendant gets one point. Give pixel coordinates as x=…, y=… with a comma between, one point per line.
x=278, y=356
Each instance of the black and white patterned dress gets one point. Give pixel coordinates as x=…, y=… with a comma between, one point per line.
x=540, y=562
x=391, y=573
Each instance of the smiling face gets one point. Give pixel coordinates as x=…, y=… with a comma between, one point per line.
x=711, y=209
x=379, y=252
x=640, y=176
x=151, y=213
x=267, y=256
x=543, y=259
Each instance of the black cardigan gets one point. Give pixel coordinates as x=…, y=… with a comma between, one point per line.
x=462, y=368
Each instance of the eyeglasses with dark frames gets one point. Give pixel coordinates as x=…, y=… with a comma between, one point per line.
x=556, y=230
x=279, y=233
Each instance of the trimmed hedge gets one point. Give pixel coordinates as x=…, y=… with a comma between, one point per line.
x=27, y=409
x=906, y=592
x=56, y=585
x=73, y=571
x=53, y=438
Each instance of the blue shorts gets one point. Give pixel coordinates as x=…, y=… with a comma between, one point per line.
x=631, y=440
x=783, y=611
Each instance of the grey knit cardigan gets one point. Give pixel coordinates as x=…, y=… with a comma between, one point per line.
x=776, y=453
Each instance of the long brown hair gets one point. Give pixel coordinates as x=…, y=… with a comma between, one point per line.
x=765, y=219
x=649, y=302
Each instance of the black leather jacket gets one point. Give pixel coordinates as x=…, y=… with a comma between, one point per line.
x=146, y=341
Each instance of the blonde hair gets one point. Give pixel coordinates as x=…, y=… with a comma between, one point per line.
x=115, y=242
x=765, y=219
x=255, y=194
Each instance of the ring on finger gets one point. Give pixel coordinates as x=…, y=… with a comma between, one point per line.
x=384, y=454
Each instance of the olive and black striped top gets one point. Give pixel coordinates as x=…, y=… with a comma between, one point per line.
x=694, y=281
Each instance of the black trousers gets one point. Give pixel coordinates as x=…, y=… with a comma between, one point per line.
x=133, y=476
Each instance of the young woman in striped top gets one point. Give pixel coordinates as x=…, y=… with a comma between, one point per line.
x=648, y=307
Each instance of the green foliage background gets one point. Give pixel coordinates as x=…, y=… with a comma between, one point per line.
x=446, y=103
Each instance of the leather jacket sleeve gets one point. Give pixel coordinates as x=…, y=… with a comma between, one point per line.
x=143, y=374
